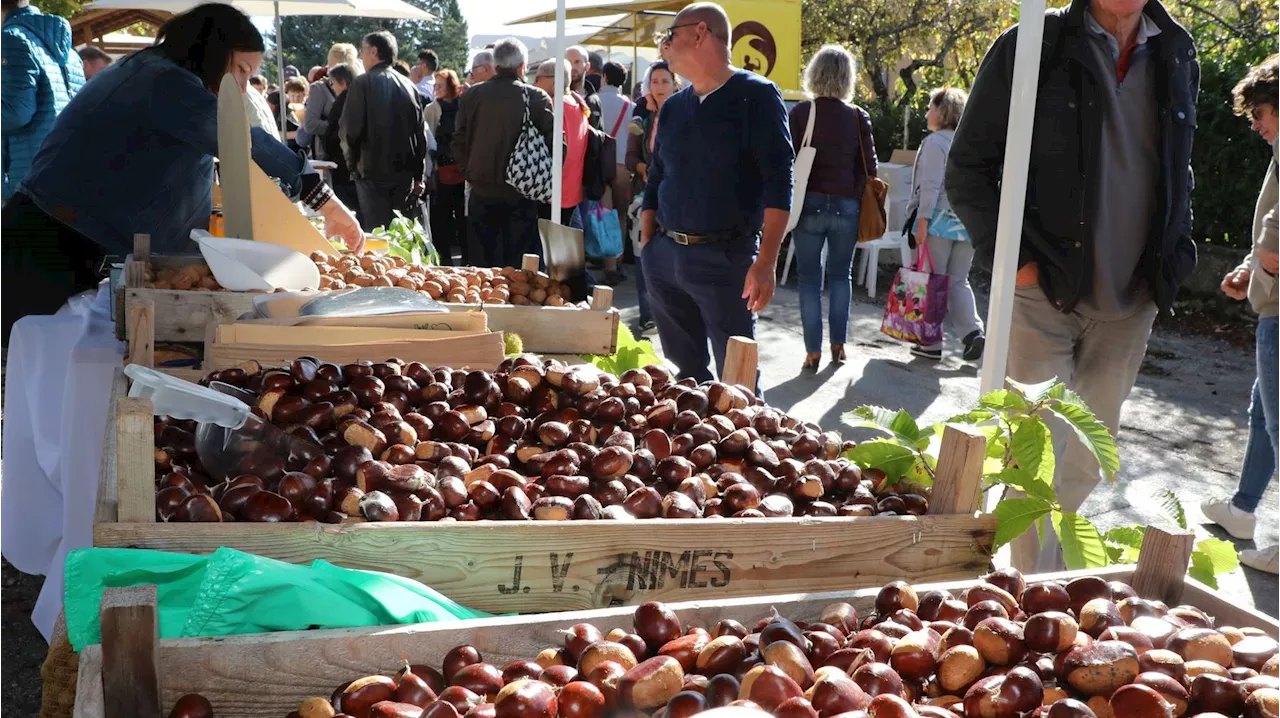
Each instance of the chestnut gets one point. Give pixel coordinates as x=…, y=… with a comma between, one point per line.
x=1000, y=641
x=526, y=699
x=361, y=694
x=1004, y=696
x=1169, y=688
x=768, y=686
x=194, y=705
x=959, y=667
x=605, y=651
x=1217, y=694
x=1201, y=644
x=1100, y=668
x=1049, y=632
x=895, y=595
x=580, y=699
x=483, y=679
x=1099, y=614
x=651, y=683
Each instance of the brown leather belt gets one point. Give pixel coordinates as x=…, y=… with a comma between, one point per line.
x=687, y=239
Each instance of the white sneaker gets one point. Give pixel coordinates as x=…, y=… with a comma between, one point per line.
x=1237, y=523
x=1264, y=559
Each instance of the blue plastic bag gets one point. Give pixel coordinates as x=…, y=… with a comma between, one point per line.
x=602, y=235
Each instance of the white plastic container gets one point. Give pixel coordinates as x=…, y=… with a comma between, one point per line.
x=243, y=265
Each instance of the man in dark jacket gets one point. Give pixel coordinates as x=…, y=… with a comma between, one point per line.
x=384, y=136
x=501, y=222
x=1106, y=238
x=339, y=81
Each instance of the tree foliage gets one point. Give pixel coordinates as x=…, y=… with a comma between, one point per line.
x=905, y=47
x=307, y=38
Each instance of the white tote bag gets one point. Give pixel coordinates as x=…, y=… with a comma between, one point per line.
x=803, y=165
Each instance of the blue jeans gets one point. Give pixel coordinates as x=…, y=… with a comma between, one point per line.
x=833, y=221
x=1260, y=454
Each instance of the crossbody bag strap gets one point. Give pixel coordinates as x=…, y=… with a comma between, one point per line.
x=808, y=130
x=862, y=151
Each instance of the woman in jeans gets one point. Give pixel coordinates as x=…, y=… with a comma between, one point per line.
x=1256, y=97
x=660, y=83
x=845, y=155
x=938, y=231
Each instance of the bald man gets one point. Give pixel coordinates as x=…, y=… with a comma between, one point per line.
x=717, y=197
x=579, y=62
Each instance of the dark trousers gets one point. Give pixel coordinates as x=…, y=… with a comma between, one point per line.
x=346, y=192
x=45, y=262
x=449, y=222
x=695, y=293
x=381, y=199
x=505, y=229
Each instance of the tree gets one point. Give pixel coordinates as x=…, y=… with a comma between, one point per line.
x=64, y=8
x=307, y=38
x=904, y=45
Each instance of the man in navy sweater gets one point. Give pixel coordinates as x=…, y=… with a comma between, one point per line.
x=717, y=198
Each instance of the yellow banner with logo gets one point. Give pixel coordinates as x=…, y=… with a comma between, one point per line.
x=766, y=38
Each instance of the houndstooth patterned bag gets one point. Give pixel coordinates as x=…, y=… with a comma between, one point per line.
x=529, y=167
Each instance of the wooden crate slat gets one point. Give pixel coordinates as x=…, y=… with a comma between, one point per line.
x=478, y=351
x=267, y=675
x=533, y=566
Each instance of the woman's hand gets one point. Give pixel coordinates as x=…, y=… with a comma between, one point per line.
x=1236, y=284
x=642, y=169
x=1269, y=260
x=1028, y=275
x=339, y=222
x=922, y=231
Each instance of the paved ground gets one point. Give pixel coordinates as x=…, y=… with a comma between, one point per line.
x=1183, y=428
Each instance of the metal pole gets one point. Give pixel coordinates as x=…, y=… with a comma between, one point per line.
x=557, y=104
x=635, y=52
x=1013, y=192
x=280, y=76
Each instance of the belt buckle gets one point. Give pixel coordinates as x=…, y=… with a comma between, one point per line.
x=680, y=238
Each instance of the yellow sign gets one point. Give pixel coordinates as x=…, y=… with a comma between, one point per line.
x=766, y=38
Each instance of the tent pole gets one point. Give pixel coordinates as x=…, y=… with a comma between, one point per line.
x=284, y=102
x=557, y=104
x=635, y=52
x=1013, y=193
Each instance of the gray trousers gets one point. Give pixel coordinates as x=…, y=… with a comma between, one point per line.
x=1099, y=360
x=955, y=259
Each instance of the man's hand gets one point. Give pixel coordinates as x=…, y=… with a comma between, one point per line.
x=419, y=188
x=648, y=225
x=1236, y=284
x=1269, y=260
x=339, y=222
x=1028, y=275
x=760, y=284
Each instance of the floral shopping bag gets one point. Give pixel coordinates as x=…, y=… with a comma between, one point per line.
x=917, y=303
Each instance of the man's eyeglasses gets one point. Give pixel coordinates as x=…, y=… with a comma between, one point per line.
x=669, y=35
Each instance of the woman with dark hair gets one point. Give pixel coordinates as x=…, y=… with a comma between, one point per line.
x=660, y=83
x=134, y=153
x=448, y=203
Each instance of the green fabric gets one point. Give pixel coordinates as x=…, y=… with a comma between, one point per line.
x=232, y=592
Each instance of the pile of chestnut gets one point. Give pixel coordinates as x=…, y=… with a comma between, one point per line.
x=397, y=441
x=1086, y=648
x=456, y=285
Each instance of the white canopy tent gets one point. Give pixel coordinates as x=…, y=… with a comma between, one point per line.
x=394, y=9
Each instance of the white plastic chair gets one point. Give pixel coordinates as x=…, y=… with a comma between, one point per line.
x=791, y=253
x=867, y=270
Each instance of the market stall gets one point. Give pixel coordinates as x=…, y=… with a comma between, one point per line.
x=941, y=666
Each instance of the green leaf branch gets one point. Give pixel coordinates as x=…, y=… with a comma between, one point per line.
x=1021, y=463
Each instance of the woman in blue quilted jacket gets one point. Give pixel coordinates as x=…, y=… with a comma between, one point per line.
x=133, y=152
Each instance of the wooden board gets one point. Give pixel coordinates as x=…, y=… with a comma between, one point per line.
x=247, y=333
x=267, y=675
x=554, y=330
x=253, y=206
x=478, y=351
x=502, y=566
x=181, y=316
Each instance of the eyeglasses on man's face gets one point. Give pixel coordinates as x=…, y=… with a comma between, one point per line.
x=670, y=34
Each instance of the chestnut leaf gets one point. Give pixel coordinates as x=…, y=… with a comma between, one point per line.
x=1015, y=516
x=1082, y=546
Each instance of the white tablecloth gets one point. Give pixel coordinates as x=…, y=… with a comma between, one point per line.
x=57, y=393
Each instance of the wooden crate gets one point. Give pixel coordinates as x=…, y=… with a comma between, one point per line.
x=182, y=316
x=503, y=566
x=267, y=675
